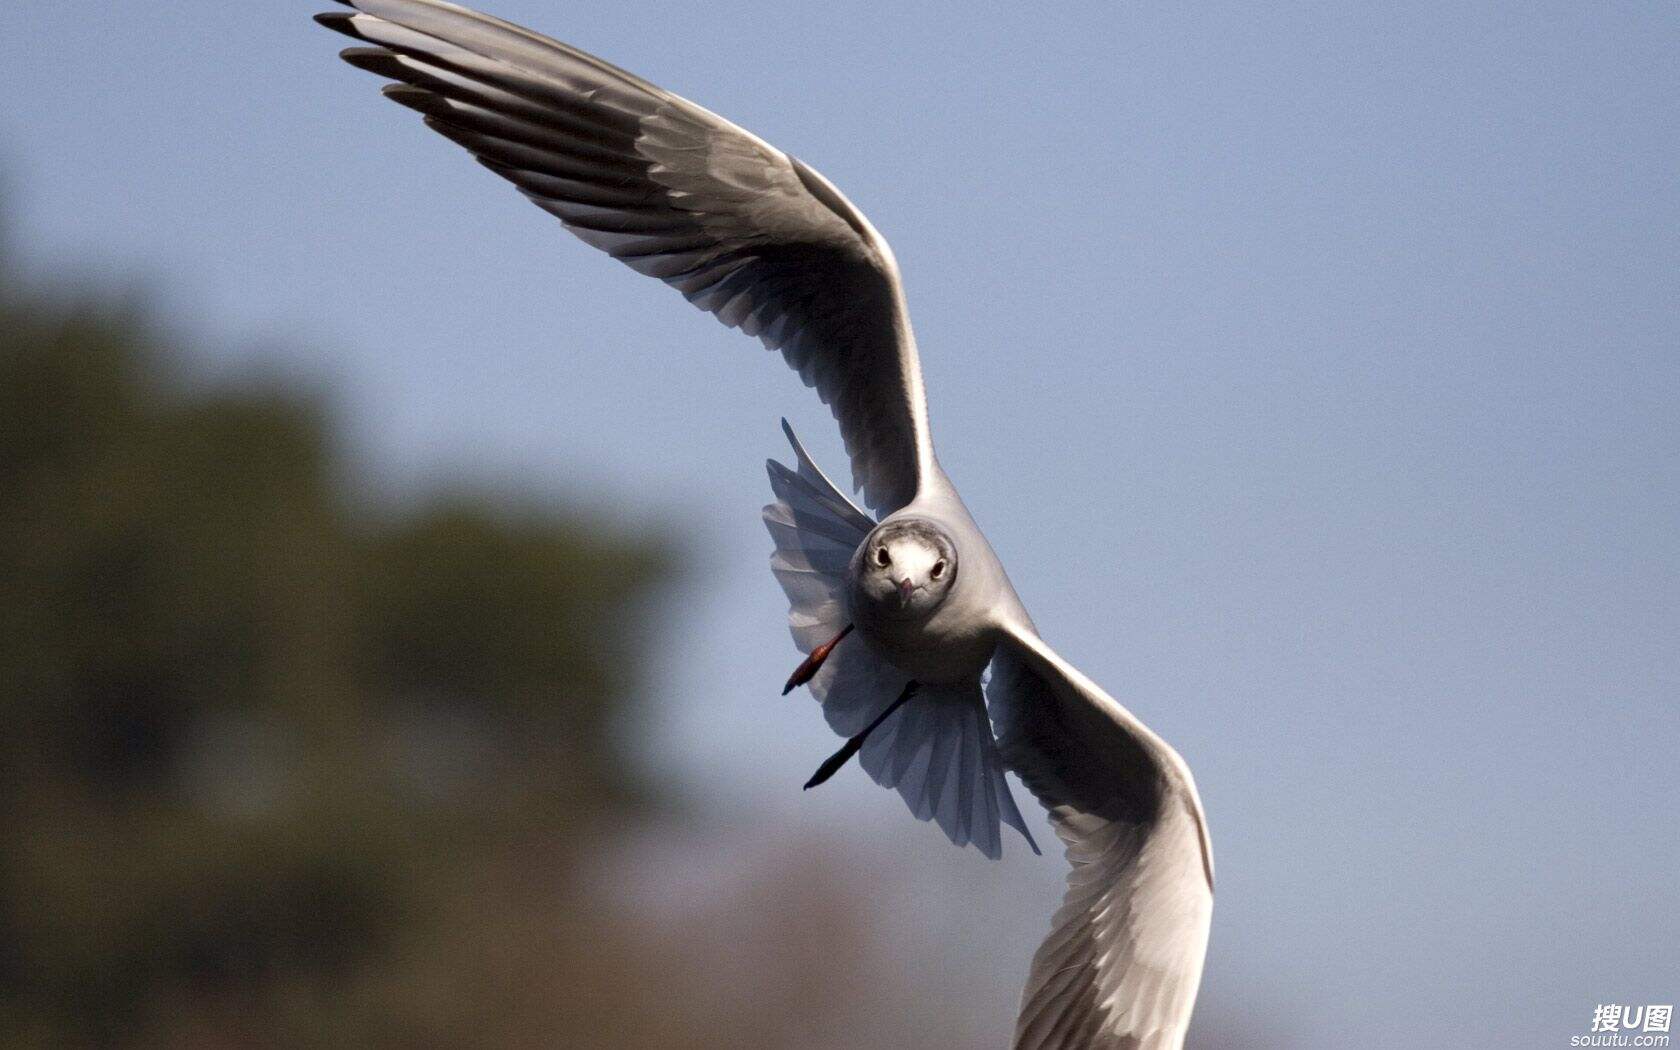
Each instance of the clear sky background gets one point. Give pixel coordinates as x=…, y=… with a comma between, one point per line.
x=1315, y=368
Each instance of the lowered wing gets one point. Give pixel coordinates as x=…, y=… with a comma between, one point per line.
x=1123, y=961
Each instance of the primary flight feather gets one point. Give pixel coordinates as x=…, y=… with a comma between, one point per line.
x=902, y=614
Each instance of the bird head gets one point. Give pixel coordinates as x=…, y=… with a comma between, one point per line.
x=906, y=567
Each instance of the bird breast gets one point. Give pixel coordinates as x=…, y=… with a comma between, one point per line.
x=952, y=643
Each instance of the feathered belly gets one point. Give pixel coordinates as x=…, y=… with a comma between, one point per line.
x=940, y=648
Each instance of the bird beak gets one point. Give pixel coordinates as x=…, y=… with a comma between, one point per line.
x=904, y=589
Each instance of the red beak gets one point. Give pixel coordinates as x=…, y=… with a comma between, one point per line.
x=904, y=589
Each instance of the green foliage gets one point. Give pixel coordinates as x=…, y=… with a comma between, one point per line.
x=254, y=739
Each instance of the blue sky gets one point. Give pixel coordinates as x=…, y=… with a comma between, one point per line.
x=1314, y=368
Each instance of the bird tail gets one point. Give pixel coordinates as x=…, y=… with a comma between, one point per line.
x=939, y=754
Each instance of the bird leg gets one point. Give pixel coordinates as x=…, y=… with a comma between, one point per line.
x=813, y=663
x=840, y=757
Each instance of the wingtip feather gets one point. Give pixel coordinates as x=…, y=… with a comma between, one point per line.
x=338, y=22
x=375, y=60
x=424, y=102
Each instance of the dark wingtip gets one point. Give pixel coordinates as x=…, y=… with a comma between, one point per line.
x=418, y=99
x=372, y=59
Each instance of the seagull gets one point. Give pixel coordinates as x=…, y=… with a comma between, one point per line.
x=916, y=644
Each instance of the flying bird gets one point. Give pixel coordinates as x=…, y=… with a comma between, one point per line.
x=916, y=644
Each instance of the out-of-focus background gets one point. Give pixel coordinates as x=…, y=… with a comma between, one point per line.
x=388, y=655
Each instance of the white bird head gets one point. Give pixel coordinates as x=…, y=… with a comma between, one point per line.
x=906, y=567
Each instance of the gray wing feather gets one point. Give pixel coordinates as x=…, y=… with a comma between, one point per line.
x=740, y=228
x=815, y=529
x=1123, y=961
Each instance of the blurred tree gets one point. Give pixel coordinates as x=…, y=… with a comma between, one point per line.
x=254, y=739
x=276, y=772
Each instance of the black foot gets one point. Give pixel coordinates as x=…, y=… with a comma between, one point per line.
x=852, y=746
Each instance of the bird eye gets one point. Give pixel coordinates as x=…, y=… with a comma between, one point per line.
x=938, y=568
x=882, y=558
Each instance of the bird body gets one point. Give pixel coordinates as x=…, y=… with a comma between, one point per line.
x=917, y=646
x=947, y=640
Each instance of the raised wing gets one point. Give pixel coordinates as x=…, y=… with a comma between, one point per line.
x=675, y=192
x=1121, y=966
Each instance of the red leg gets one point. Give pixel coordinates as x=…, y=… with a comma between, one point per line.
x=813, y=663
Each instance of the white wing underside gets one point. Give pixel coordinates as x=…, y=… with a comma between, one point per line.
x=1123, y=961
x=937, y=750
